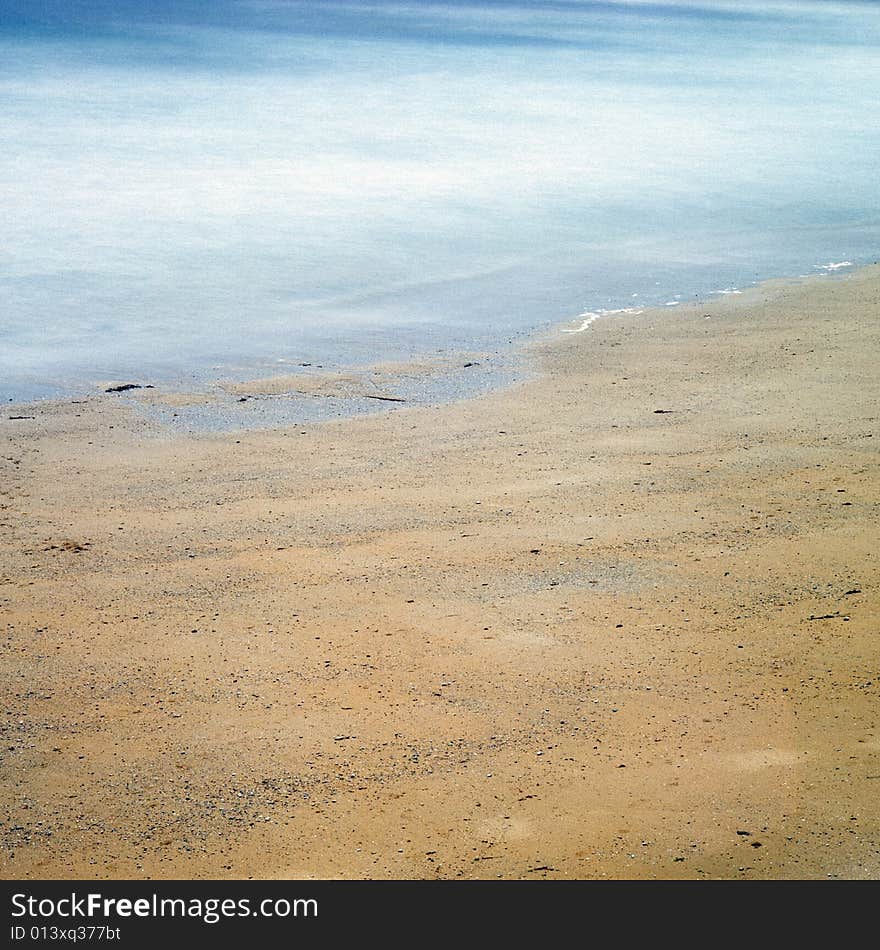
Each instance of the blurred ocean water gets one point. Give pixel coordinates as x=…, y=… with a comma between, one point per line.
x=194, y=190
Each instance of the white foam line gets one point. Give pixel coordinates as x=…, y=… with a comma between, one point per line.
x=588, y=316
x=832, y=266
x=727, y=290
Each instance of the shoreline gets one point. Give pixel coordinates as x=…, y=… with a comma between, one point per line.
x=614, y=620
x=300, y=394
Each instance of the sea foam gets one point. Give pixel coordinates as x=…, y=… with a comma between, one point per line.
x=589, y=316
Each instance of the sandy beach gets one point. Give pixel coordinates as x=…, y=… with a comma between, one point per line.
x=616, y=620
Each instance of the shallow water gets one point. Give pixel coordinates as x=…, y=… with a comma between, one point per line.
x=191, y=194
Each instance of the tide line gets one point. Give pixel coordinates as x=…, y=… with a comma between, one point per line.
x=589, y=316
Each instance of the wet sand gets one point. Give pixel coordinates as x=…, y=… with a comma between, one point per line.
x=617, y=620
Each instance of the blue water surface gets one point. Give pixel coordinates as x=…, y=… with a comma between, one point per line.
x=192, y=191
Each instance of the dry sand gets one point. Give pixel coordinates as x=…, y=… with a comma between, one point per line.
x=552, y=632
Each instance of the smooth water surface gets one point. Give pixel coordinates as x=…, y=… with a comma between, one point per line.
x=194, y=190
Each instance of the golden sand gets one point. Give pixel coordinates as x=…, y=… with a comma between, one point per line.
x=551, y=632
